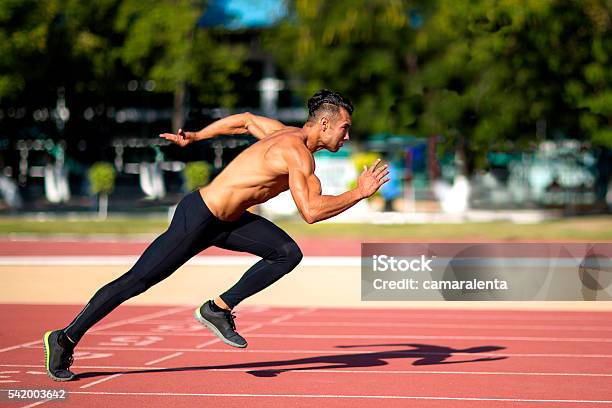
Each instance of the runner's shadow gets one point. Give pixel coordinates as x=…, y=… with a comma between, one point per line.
x=425, y=354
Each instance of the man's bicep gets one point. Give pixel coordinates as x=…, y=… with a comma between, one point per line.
x=304, y=189
x=303, y=184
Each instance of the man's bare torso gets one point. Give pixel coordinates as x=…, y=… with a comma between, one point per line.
x=256, y=175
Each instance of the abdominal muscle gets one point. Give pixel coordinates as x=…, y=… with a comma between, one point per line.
x=229, y=203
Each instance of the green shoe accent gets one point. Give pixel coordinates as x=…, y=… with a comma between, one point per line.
x=46, y=346
x=60, y=374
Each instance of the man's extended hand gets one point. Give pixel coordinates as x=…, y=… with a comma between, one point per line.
x=372, y=178
x=181, y=137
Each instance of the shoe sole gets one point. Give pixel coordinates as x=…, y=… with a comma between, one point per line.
x=47, y=348
x=198, y=316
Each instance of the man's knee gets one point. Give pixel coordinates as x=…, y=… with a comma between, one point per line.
x=291, y=254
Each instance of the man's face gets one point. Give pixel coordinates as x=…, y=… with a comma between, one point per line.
x=337, y=132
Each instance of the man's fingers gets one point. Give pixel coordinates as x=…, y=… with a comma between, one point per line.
x=373, y=167
x=168, y=136
x=182, y=141
x=382, y=174
x=381, y=169
x=383, y=181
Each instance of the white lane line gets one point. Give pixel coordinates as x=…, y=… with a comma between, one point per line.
x=37, y=403
x=138, y=319
x=444, y=326
x=297, y=370
x=466, y=314
x=408, y=397
x=159, y=360
x=327, y=323
x=30, y=343
x=336, y=352
x=282, y=318
x=373, y=336
x=101, y=367
x=208, y=343
x=370, y=336
x=110, y=377
x=378, y=372
x=306, y=311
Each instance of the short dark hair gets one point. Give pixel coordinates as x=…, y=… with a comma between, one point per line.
x=330, y=101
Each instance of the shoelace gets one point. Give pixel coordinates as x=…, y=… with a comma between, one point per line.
x=230, y=318
x=70, y=361
x=66, y=357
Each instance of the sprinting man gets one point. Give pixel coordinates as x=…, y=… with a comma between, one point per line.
x=215, y=215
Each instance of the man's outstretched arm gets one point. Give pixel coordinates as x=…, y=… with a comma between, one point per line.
x=239, y=124
x=305, y=188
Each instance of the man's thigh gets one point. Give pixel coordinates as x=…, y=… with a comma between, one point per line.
x=255, y=235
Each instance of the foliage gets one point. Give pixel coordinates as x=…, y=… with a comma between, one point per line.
x=164, y=43
x=495, y=70
x=359, y=48
x=102, y=178
x=99, y=45
x=197, y=174
x=71, y=39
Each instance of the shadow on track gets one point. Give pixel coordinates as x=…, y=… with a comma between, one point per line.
x=424, y=354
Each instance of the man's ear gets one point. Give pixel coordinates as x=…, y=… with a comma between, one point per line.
x=324, y=121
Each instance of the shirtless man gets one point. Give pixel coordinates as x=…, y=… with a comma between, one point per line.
x=216, y=215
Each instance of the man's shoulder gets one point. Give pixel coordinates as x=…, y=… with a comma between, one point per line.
x=290, y=145
x=289, y=138
x=290, y=131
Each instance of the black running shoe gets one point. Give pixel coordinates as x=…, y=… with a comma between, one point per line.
x=221, y=324
x=58, y=355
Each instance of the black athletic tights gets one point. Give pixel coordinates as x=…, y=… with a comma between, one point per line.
x=194, y=228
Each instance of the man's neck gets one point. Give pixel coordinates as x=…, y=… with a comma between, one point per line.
x=311, y=139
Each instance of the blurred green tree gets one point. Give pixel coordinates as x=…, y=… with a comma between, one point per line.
x=102, y=182
x=55, y=44
x=494, y=72
x=197, y=174
x=164, y=43
x=362, y=48
x=92, y=46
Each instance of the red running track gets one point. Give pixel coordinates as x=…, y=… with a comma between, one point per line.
x=160, y=356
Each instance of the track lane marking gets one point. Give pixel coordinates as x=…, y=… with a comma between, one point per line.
x=168, y=357
x=335, y=352
x=301, y=370
x=407, y=397
x=370, y=336
x=110, y=377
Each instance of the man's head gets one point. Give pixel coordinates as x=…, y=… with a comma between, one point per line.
x=330, y=113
